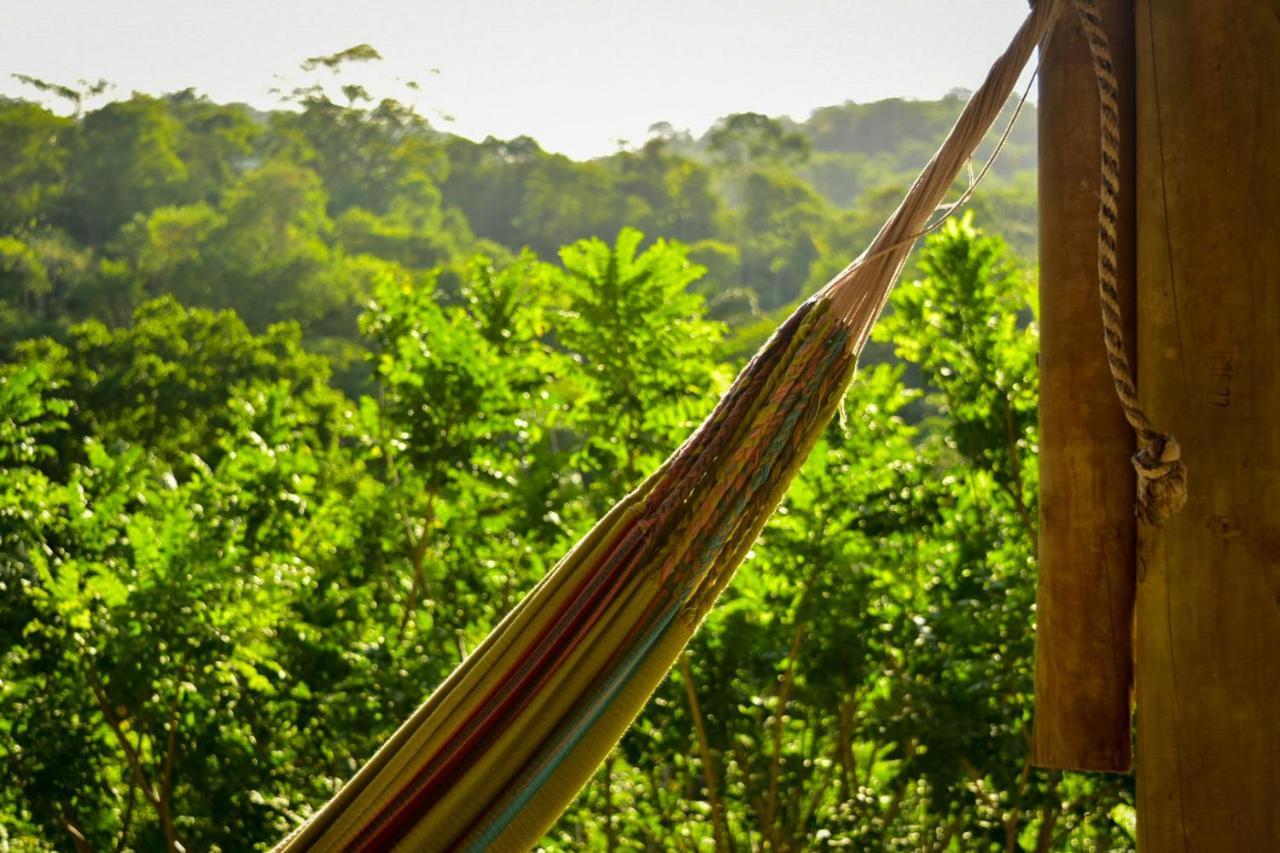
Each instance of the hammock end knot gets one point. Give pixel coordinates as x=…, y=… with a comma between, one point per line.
x=1162, y=479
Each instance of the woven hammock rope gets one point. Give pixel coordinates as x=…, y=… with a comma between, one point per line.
x=502, y=747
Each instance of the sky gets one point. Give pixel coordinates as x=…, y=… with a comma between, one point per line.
x=577, y=75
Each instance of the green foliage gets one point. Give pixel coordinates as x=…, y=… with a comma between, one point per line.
x=123, y=159
x=42, y=273
x=359, y=53
x=751, y=137
x=442, y=383
x=32, y=163
x=667, y=193
x=860, y=146
x=167, y=381
x=225, y=584
x=630, y=320
x=216, y=142
x=295, y=406
x=224, y=207
x=789, y=220
x=975, y=351
x=867, y=680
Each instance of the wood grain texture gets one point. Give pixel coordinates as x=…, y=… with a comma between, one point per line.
x=1208, y=601
x=1087, y=527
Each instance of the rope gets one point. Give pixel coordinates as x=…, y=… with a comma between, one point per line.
x=1162, y=476
x=858, y=293
x=952, y=208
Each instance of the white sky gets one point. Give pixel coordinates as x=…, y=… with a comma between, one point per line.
x=574, y=74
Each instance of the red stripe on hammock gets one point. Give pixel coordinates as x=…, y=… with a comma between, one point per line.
x=429, y=784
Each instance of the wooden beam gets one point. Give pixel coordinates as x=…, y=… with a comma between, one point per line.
x=1087, y=528
x=1208, y=600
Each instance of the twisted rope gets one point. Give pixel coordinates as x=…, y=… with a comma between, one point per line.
x=1162, y=476
x=859, y=292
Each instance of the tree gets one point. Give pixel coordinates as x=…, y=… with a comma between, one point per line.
x=217, y=143
x=632, y=323
x=677, y=193
x=562, y=201
x=123, y=160
x=166, y=381
x=32, y=162
x=782, y=224
x=44, y=276
x=743, y=138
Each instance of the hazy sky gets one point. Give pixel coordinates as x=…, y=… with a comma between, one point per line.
x=575, y=74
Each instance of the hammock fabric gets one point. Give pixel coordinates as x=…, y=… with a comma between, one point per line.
x=507, y=741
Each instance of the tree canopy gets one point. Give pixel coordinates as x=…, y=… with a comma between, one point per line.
x=295, y=406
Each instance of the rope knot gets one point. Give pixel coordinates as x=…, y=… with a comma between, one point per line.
x=1162, y=479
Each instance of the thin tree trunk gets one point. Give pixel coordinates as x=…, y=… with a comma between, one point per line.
x=709, y=774
x=775, y=760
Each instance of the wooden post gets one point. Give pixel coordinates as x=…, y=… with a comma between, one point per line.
x=1208, y=600
x=1087, y=527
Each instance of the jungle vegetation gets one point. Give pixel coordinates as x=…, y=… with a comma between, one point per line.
x=294, y=405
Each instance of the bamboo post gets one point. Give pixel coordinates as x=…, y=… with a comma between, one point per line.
x=1208, y=599
x=1087, y=528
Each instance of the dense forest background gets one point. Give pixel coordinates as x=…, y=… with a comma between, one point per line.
x=294, y=405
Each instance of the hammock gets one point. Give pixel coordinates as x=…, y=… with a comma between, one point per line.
x=503, y=746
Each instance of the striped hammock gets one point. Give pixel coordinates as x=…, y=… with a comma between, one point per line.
x=506, y=742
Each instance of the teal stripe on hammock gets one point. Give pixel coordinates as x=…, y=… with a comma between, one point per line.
x=584, y=721
x=783, y=437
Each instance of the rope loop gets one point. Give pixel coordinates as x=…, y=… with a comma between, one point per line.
x=1162, y=479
